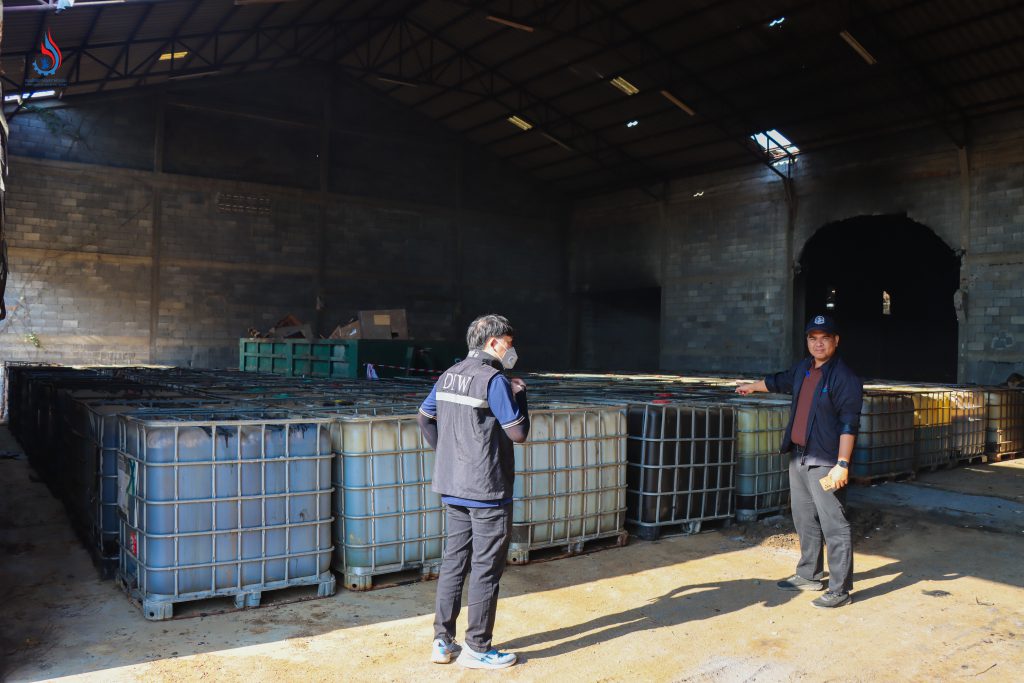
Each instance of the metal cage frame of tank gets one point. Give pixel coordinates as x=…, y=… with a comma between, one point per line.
x=361, y=557
x=600, y=480
x=766, y=468
x=723, y=488
x=886, y=439
x=134, y=538
x=1004, y=420
x=968, y=428
x=104, y=538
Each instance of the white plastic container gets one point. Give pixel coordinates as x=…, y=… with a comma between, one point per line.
x=570, y=484
x=222, y=505
x=762, y=472
x=388, y=518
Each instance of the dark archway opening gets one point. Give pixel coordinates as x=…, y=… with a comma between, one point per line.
x=889, y=282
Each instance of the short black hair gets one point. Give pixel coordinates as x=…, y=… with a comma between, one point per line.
x=485, y=327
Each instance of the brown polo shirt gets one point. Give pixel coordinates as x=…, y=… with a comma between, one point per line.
x=802, y=418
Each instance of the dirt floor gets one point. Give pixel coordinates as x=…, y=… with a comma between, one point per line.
x=933, y=602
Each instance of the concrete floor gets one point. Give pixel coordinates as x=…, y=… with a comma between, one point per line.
x=933, y=601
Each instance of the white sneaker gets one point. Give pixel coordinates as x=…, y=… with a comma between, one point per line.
x=441, y=652
x=492, y=659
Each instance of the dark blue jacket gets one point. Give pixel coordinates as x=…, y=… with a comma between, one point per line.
x=835, y=411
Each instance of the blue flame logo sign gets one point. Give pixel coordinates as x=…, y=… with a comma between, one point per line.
x=51, y=56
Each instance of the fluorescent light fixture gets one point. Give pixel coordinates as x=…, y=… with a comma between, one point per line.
x=558, y=142
x=37, y=95
x=201, y=74
x=520, y=123
x=699, y=194
x=173, y=55
x=776, y=22
x=511, y=24
x=624, y=85
x=775, y=144
x=857, y=47
x=398, y=81
x=632, y=124
x=676, y=101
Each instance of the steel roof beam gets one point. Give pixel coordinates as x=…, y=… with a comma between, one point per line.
x=124, y=50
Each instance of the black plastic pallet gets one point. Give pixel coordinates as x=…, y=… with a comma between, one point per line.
x=684, y=528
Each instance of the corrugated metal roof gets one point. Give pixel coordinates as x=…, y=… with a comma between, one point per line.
x=742, y=66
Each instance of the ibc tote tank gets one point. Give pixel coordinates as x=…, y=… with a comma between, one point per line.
x=886, y=438
x=762, y=472
x=681, y=465
x=387, y=517
x=222, y=504
x=570, y=479
x=1004, y=433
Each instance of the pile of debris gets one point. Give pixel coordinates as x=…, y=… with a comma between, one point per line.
x=380, y=324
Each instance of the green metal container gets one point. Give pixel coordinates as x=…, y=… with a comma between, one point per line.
x=347, y=358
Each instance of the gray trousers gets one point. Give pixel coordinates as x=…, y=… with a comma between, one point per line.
x=477, y=544
x=820, y=516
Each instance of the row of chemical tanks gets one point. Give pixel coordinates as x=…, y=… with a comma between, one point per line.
x=187, y=485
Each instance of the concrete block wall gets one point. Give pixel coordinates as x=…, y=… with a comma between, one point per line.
x=116, y=131
x=79, y=245
x=170, y=258
x=730, y=242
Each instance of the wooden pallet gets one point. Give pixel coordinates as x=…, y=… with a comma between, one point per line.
x=188, y=609
x=557, y=552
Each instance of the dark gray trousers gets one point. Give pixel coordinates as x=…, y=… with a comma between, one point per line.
x=477, y=544
x=820, y=516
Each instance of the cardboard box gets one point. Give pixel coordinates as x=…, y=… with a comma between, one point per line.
x=381, y=324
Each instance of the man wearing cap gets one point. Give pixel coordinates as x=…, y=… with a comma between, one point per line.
x=820, y=436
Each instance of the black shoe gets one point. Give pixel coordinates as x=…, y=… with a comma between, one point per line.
x=830, y=599
x=799, y=583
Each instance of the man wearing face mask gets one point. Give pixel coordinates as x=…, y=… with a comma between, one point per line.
x=472, y=417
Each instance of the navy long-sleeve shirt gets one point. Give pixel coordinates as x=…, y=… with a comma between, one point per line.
x=835, y=410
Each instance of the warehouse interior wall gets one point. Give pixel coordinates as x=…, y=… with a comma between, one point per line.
x=725, y=247
x=160, y=225
x=620, y=330
x=890, y=283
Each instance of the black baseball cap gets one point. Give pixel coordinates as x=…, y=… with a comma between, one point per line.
x=825, y=323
